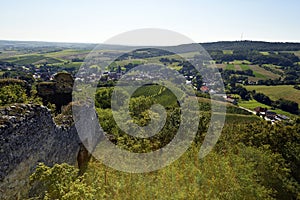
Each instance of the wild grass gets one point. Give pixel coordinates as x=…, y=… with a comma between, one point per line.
x=214, y=177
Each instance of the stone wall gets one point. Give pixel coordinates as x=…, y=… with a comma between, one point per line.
x=58, y=91
x=28, y=135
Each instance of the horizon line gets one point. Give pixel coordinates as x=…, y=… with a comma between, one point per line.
x=99, y=43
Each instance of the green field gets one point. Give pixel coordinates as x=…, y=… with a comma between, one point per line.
x=244, y=67
x=259, y=72
x=31, y=59
x=229, y=52
x=230, y=67
x=255, y=72
x=278, y=91
x=73, y=64
x=68, y=53
x=241, y=62
x=297, y=53
x=265, y=53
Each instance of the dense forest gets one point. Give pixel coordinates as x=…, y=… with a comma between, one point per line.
x=248, y=45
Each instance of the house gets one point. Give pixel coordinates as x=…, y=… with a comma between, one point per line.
x=283, y=117
x=204, y=89
x=211, y=91
x=260, y=111
x=270, y=114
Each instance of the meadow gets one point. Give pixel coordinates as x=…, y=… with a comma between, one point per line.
x=277, y=92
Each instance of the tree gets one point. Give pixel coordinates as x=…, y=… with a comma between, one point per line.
x=262, y=98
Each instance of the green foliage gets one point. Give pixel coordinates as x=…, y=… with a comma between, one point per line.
x=217, y=176
x=12, y=94
x=297, y=87
x=281, y=146
x=240, y=90
x=252, y=160
x=60, y=182
x=158, y=93
x=103, y=98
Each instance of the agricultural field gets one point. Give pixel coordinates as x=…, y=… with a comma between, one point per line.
x=31, y=59
x=265, y=53
x=259, y=72
x=229, y=52
x=73, y=65
x=241, y=62
x=68, y=54
x=297, y=53
x=7, y=54
x=275, y=68
x=278, y=91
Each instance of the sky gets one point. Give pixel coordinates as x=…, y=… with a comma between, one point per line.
x=96, y=21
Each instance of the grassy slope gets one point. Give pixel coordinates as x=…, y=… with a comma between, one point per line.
x=259, y=72
x=277, y=92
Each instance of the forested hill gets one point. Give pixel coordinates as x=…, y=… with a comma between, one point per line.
x=251, y=45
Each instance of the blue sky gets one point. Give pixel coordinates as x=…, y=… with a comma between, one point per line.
x=97, y=21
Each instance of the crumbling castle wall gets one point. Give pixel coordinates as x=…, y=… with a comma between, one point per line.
x=28, y=135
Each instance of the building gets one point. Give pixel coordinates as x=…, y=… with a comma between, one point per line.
x=204, y=89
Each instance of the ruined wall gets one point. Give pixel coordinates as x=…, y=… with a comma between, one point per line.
x=28, y=136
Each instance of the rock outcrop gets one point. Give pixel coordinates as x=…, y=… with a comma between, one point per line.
x=28, y=135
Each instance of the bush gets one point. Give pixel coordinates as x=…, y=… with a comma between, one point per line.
x=12, y=94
